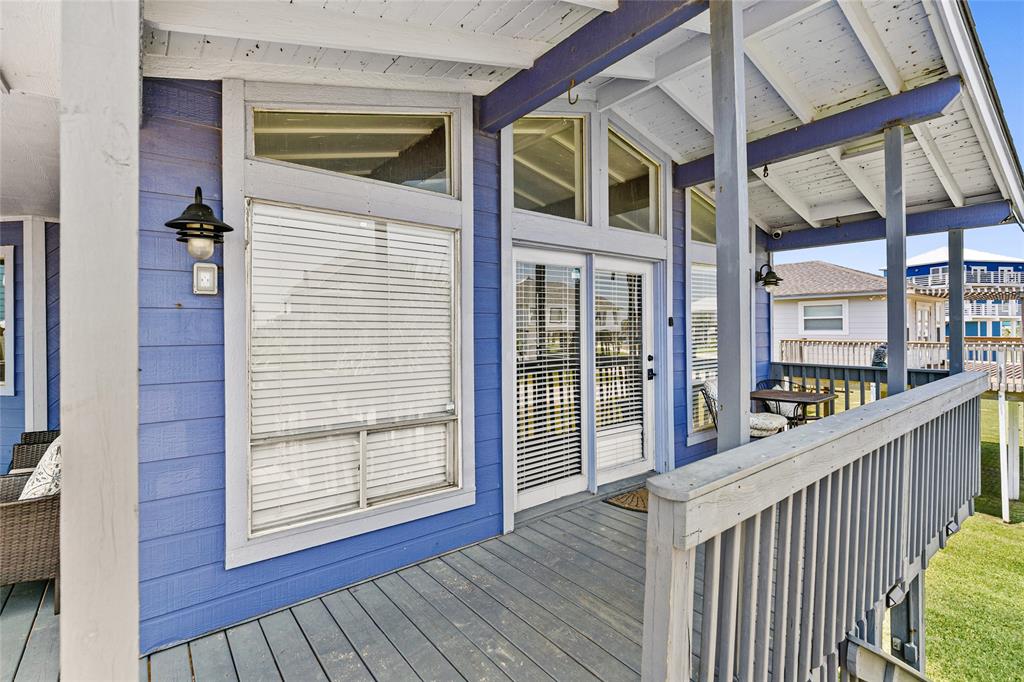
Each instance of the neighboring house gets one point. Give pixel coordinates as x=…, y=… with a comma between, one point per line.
x=822, y=301
x=1000, y=276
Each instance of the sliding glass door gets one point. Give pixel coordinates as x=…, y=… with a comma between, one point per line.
x=584, y=373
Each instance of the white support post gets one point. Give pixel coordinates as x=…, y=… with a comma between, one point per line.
x=896, y=260
x=735, y=279
x=99, y=189
x=1013, y=448
x=34, y=264
x=1004, y=445
x=907, y=625
x=956, y=301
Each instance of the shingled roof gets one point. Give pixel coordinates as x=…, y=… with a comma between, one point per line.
x=820, y=278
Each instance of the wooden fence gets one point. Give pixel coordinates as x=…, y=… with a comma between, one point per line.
x=760, y=560
x=920, y=354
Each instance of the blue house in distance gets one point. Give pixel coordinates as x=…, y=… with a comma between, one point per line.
x=1000, y=275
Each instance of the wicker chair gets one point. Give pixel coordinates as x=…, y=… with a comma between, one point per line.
x=35, y=437
x=31, y=532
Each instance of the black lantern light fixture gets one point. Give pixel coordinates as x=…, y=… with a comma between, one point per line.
x=767, y=278
x=199, y=228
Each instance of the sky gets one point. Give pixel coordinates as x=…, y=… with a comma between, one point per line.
x=999, y=24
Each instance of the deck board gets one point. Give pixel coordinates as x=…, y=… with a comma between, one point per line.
x=561, y=598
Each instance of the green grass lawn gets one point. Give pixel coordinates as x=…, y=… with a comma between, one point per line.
x=974, y=594
x=974, y=591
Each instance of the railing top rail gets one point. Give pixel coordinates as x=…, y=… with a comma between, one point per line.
x=720, y=491
x=855, y=368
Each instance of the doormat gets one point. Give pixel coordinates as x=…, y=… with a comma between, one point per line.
x=633, y=500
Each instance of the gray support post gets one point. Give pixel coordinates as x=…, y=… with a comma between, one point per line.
x=734, y=257
x=896, y=260
x=99, y=350
x=907, y=625
x=956, y=301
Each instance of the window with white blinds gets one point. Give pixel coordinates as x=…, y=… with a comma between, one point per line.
x=353, y=371
x=549, y=436
x=703, y=339
x=619, y=369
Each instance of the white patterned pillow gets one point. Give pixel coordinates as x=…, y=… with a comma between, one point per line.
x=45, y=479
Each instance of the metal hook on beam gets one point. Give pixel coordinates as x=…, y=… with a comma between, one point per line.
x=568, y=94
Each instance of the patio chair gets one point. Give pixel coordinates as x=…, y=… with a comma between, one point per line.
x=762, y=424
x=26, y=454
x=796, y=413
x=31, y=532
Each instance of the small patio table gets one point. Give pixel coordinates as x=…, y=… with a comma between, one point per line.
x=828, y=399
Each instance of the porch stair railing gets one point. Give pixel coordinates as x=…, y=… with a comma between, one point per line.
x=799, y=536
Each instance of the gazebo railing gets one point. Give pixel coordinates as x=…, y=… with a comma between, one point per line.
x=761, y=559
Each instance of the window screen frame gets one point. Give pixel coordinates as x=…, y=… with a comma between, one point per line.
x=281, y=182
x=7, y=388
x=803, y=305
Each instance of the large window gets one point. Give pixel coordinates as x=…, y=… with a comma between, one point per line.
x=412, y=150
x=6, y=320
x=633, y=182
x=353, y=379
x=823, y=318
x=549, y=166
x=703, y=339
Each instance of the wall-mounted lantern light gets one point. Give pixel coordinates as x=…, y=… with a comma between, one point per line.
x=767, y=278
x=199, y=228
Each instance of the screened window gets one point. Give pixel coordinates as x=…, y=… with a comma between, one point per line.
x=823, y=317
x=633, y=187
x=6, y=320
x=702, y=219
x=353, y=398
x=412, y=150
x=548, y=160
x=703, y=339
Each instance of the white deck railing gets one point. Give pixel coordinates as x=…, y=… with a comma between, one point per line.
x=799, y=535
x=920, y=354
x=941, y=279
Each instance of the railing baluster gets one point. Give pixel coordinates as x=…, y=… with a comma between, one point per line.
x=783, y=569
x=810, y=574
x=765, y=584
x=750, y=587
x=796, y=575
x=728, y=603
x=710, y=610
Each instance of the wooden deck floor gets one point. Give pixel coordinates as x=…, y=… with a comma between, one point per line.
x=559, y=599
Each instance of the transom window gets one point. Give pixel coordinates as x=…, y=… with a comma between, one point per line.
x=823, y=317
x=549, y=166
x=633, y=187
x=412, y=150
x=702, y=219
x=353, y=378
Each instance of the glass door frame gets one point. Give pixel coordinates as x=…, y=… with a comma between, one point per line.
x=591, y=477
x=581, y=482
x=647, y=271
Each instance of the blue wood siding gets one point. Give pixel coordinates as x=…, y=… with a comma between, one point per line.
x=184, y=588
x=12, y=407
x=53, y=325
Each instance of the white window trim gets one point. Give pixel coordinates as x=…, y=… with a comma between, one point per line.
x=244, y=176
x=703, y=253
x=7, y=388
x=824, y=332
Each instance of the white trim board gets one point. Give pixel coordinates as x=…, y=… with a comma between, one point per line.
x=9, y=387
x=245, y=176
x=34, y=308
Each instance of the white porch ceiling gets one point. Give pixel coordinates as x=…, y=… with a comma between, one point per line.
x=807, y=59
x=29, y=113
